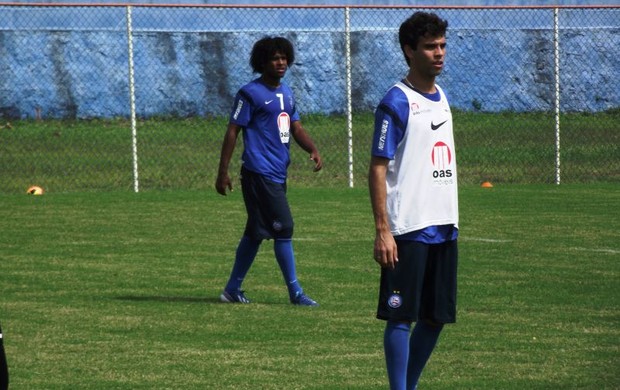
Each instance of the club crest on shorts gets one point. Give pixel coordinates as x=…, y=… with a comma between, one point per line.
x=394, y=301
x=277, y=226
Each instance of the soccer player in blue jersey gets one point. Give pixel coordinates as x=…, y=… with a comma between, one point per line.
x=4, y=369
x=413, y=191
x=264, y=111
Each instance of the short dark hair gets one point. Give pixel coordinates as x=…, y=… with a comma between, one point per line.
x=266, y=48
x=418, y=25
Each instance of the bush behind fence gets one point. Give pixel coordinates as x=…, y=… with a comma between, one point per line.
x=64, y=94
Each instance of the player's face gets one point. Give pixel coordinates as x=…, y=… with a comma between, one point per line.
x=276, y=66
x=428, y=59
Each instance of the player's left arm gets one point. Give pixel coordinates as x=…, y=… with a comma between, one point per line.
x=303, y=139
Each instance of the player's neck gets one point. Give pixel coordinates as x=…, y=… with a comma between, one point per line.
x=270, y=81
x=421, y=84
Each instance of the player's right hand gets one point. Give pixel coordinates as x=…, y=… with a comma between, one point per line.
x=385, y=250
x=222, y=183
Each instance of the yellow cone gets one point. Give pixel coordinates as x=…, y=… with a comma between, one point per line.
x=35, y=190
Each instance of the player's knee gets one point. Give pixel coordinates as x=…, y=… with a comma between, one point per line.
x=437, y=326
x=399, y=323
x=283, y=229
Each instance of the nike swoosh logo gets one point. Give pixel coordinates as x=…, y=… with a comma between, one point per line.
x=268, y=101
x=435, y=127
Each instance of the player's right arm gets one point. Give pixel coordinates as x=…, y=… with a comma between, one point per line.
x=390, y=122
x=385, y=252
x=223, y=181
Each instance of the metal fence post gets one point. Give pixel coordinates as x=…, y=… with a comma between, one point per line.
x=132, y=102
x=556, y=55
x=347, y=21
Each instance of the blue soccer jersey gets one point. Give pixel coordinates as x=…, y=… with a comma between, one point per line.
x=265, y=113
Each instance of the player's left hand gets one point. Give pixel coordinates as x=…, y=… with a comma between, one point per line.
x=318, y=162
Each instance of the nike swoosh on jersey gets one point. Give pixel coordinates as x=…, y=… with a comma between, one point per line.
x=436, y=126
x=268, y=101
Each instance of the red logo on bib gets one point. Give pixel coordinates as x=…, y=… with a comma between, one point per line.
x=441, y=155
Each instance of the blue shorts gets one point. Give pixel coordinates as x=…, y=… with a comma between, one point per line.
x=422, y=286
x=269, y=215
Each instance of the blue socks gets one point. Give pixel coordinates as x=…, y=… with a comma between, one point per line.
x=406, y=355
x=396, y=348
x=421, y=346
x=283, y=249
x=246, y=253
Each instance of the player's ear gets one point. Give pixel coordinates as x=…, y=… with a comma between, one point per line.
x=408, y=51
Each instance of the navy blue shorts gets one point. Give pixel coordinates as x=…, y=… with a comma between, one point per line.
x=269, y=215
x=422, y=286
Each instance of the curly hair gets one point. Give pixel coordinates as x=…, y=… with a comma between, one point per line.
x=266, y=48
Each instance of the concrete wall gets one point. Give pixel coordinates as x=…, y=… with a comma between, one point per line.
x=71, y=73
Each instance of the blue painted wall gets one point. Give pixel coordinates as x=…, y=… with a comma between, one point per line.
x=65, y=70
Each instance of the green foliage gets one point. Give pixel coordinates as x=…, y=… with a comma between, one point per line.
x=120, y=290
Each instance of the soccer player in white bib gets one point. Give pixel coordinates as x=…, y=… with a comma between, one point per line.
x=264, y=111
x=413, y=191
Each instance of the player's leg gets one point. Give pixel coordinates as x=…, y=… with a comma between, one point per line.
x=440, y=284
x=395, y=347
x=421, y=345
x=283, y=249
x=399, y=304
x=4, y=369
x=249, y=243
x=278, y=213
x=277, y=216
x=438, y=307
x=244, y=257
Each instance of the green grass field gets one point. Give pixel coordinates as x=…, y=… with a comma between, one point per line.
x=117, y=290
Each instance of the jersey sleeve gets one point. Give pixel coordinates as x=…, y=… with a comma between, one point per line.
x=241, y=113
x=294, y=113
x=391, y=118
x=295, y=116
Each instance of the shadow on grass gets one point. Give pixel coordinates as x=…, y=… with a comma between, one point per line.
x=168, y=299
x=209, y=300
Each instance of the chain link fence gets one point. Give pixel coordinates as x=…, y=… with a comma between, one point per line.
x=535, y=91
